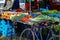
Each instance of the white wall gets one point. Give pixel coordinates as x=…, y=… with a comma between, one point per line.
x=2, y=1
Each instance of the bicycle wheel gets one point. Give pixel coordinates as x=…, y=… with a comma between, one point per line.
x=50, y=32
x=27, y=34
x=56, y=37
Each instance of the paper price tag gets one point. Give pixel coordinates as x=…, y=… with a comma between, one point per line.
x=22, y=5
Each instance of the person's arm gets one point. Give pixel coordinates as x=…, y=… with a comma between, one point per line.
x=8, y=5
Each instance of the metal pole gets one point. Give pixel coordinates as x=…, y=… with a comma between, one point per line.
x=25, y=4
x=38, y=5
x=30, y=6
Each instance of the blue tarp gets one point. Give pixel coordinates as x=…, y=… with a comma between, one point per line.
x=54, y=15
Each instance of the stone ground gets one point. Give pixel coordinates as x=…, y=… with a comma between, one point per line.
x=10, y=38
x=17, y=38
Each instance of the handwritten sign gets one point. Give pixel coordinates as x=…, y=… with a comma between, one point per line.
x=22, y=5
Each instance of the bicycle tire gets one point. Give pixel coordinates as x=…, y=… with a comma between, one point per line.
x=52, y=33
x=28, y=30
x=50, y=30
x=56, y=36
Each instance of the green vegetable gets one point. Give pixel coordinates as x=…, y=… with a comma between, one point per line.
x=50, y=11
x=45, y=17
x=42, y=17
x=17, y=17
x=56, y=28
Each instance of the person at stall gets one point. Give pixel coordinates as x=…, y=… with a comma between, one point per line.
x=8, y=4
x=13, y=5
x=46, y=3
x=16, y=4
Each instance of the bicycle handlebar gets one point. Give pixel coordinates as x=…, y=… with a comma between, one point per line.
x=49, y=23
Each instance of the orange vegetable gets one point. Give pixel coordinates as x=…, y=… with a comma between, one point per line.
x=7, y=17
x=9, y=14
x=3, y=16
x=24, y=19
x=28, y=16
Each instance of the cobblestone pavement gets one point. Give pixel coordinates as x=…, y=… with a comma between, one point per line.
x=10, y=38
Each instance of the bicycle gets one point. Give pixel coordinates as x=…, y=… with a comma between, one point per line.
x=56, y=36
x=33, y=29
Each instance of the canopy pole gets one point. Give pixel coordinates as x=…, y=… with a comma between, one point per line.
x=30, y=7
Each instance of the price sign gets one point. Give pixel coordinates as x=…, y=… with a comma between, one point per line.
x=22, y=5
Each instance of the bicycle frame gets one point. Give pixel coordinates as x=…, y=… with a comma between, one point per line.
x=34, y=30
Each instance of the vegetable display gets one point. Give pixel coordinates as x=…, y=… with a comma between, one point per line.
x=50, y=11
x=45, y=17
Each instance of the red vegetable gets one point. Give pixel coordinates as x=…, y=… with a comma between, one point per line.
x=24, y=19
